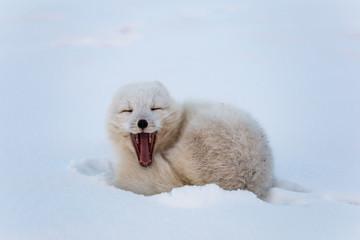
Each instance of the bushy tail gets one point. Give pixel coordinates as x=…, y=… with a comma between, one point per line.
x=289, y=186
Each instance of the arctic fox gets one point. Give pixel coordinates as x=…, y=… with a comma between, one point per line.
x=161, y=145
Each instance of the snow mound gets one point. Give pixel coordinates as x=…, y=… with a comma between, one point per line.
x=352, y=199
x=201, y=196
x=98, y=168
x=192, y=197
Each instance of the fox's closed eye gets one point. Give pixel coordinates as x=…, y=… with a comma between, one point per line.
x=126, y=111
x=156, y=108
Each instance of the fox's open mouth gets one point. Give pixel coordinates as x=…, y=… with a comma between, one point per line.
x=144, y=146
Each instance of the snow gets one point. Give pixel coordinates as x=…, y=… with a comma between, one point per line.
x=293, y=64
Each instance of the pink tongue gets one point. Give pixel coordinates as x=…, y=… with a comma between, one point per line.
x=144, y=148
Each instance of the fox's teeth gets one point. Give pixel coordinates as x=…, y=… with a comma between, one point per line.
x=149, y=139
x=137, y=139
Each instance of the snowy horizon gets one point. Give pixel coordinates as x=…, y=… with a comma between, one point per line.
x=294, y=65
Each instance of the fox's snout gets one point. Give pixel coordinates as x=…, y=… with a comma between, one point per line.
x=142, y=123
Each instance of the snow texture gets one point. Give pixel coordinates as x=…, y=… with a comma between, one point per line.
x=294, y=65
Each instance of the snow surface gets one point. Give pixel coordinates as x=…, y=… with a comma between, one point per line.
x=293, y=64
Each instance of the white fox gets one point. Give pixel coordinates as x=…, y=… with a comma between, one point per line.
x=162, y=145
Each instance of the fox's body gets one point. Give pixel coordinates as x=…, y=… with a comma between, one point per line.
x=161, y=145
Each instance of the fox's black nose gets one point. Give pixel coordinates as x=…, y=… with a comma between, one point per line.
x=142, y=123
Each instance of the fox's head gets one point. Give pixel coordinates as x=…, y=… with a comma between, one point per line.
x=143, y=119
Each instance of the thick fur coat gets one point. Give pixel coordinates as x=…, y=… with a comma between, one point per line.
x=192, y=144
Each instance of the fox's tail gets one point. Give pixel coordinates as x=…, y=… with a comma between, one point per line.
x=289, y=186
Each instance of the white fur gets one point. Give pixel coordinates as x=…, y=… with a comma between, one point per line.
x=196, y=144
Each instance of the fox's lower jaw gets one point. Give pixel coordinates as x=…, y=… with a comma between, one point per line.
x=144, y=147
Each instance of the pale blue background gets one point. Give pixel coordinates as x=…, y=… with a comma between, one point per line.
x=295, y=65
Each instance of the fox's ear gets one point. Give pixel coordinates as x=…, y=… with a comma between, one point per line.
x=159, y=84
